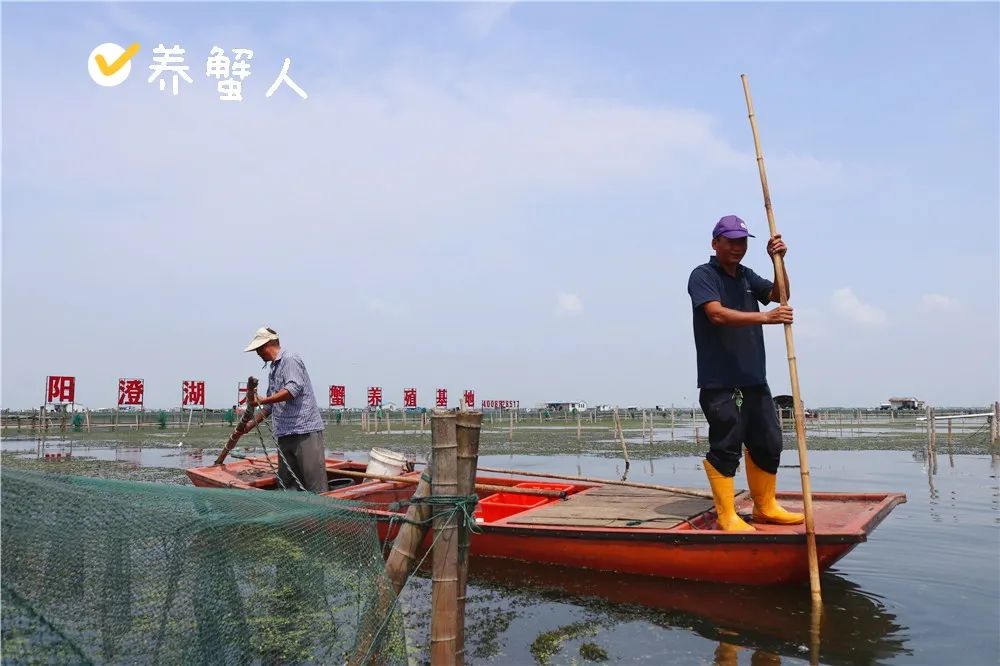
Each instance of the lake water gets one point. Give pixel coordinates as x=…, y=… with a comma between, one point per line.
x=925, y=589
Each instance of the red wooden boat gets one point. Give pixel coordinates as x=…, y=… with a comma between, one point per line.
x=612, y=527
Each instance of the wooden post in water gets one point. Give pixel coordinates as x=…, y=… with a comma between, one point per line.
x=510, y=431
x=578, y=417
x=87, y=416
x=930, y=424
x=444, y=578
x=996, y=423
x=468, y=429
x=933, y=431
x=388, y=423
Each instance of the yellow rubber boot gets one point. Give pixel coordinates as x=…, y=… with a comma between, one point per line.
x=765, y=507
x=722, y=493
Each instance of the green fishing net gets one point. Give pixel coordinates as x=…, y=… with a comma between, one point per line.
x=115, y=572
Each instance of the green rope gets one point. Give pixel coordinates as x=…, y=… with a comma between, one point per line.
x=466, y=504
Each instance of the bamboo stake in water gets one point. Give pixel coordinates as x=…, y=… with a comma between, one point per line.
x=800, y=431
x=621, y=437
x=398, y=566
x=444, y=585
x=468, y=428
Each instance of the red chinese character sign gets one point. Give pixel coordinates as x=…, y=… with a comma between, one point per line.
x=193, y=393
x=60, y=389
x=410, y=397
x=338, y=396
x=374, y=396
x=241, y=397
x=469, y=397
x=130, y=392
x=441, y=398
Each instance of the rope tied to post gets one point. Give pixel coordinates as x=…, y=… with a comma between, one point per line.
x=459, y=504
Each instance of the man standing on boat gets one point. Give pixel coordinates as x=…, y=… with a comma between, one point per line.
x=297, y=423
x=729, y=337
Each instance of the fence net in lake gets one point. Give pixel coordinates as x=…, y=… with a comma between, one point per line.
x=107, y=571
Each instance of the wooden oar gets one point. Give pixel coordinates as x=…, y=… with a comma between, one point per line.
x=246, y=418
x=628, y=484
x=485, y=487
x=800, y=428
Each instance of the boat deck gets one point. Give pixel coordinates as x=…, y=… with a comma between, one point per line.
x=617, y=506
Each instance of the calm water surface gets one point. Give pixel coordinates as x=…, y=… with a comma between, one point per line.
x=925, y=589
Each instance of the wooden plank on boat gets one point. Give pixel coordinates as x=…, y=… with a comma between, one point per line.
x=617, y=506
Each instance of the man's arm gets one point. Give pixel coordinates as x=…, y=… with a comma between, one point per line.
x=777, y=246
x=720, y=315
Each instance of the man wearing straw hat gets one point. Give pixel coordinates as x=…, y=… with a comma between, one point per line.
x=297, y=423
x=729, y=337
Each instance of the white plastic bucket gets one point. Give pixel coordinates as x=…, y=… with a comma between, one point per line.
x=385, y=462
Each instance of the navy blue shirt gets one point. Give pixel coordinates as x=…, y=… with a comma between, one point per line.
x=728, y=356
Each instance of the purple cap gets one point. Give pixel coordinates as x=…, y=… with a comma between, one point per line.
x=731, y=227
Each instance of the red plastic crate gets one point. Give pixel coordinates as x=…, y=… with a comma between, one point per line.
x=503, y=505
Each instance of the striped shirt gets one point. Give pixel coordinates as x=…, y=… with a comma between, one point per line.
x=297, y=416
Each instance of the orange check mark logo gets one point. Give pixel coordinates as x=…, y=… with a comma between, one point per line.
x=108, y=70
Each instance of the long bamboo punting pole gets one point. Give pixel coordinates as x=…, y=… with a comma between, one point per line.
x=444, y=577
x=468, y=428
x=245, y=419
x=793, y=370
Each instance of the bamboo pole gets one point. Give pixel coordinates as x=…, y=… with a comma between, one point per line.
x=800, y=431
x=399, y=564
x=483, y=487
x=444, y=577
x=468, y=429
x=620, y=434
x=87, y=415
x=244, y=420
x=578, y=425
x=510, y=431
x=588, y=479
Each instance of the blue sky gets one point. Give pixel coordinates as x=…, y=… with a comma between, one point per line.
x=504, y=197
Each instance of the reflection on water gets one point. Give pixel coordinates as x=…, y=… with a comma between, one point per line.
x=855, y=627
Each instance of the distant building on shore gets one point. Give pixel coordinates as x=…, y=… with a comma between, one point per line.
x=905, y=403
x=566, y=406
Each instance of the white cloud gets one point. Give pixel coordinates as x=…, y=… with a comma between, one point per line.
x=848, y=305
x=568, y=305
x=937, y=303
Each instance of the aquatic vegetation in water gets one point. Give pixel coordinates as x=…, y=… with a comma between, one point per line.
x=593, y=652
x=548, y=644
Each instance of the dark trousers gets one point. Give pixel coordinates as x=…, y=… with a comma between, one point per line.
x=754, y=423
x=305, y=455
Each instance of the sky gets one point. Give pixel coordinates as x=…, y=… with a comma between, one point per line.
x=507, y=198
